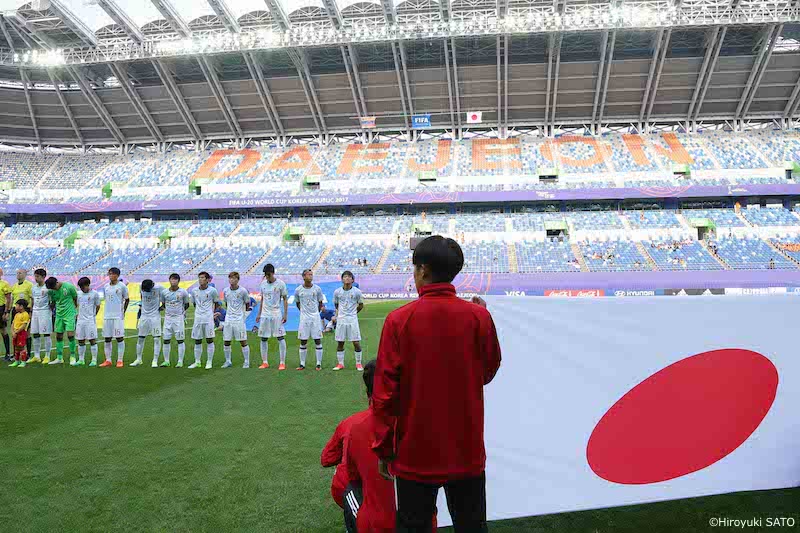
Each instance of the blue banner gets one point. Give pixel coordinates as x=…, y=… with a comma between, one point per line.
x=421, y=122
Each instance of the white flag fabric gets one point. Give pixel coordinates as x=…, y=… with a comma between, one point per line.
x=474, y=117
x=616, y=401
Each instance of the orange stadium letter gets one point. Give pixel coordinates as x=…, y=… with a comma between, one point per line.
x=360, y=153
x=506, y=152
x=249, y=160
x=442, y=159
x=599, y=156
x=297, y=158
x=674, y=151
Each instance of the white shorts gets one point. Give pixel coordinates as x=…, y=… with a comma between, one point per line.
x=86, y=330
x=271, y=326
x=42, y=322
x=113, y=328
x=347, y=331
x=150, y=326
x=234, y=331
x=203, y=331
x=310, y=328
x=174, y=328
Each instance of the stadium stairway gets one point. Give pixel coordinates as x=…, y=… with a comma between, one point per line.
x=148, y=261
x=513, y=266
x=719, y=260
x=236, y=230
x=260, y=260
x=757, y=149
x=509, y=229
x=710, y=152
x=778, y=251
x=5, y=232
x=47, y=172
x=325, y=253
x=379, y=267
x=108, y=252
x=744, y=220
x=576, y=251
x=626, y=223
x=643, y=252
x=683, y=222
x=197, y=266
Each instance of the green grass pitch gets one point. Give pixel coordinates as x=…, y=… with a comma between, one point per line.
x=141, y=449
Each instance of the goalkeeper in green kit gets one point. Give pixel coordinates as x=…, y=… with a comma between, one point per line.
x=65, y=297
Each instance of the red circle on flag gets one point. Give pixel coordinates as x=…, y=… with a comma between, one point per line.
x=473, y=117
x=683, y=418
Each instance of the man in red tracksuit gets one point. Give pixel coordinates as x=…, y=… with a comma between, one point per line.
x=435, y=356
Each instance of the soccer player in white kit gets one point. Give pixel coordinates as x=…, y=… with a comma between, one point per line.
x=308, y=298
x=149, y=321
x=270, y=316
x=41, y=318
x=349, y=301
x=116, y=296
x=86, y=328
x=206, y=302
x=237, y=302
x=176, y=302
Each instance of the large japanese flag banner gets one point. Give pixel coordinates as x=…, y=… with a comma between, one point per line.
x=612, y=401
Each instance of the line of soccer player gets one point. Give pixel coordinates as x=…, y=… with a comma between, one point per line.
x=76, y=311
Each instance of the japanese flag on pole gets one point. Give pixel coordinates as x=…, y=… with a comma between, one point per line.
x=474, y=117
x=602, y=402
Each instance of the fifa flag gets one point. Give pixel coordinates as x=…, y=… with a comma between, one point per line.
x=474, y=117
x=618, y=401
x=368, y=123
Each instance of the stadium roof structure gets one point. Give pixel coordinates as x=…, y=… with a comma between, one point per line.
x=88, y=73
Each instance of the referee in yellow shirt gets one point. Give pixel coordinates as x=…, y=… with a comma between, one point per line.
x=5, y=308
x=22, y=290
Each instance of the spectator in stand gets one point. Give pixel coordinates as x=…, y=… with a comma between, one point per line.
x=438, y=339
x=772, y=263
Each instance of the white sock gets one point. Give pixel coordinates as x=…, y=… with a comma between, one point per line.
x=282, y=347
x=37, y=344
x=157, y=349
x=181, y=352
x=227, y=350
x=319, y=355
x=303, y=352
x=48, y=345
x=81, y=352
x=246, y=355
x=198, y=353
x=107, y=351
x=340, y=357
x=139, y=348
x=264, y=350
x=358, y=358
x=93, y=348
x=210, y=348
x=120, y=350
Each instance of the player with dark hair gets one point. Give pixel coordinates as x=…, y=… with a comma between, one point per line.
x=115, y=294
x=88, y=307
x=41, y=318
x=237, y=302
x=5, y=310
x=149, y=321
x=348, y=302
x=65, y=298
x=206, y=301
x=176, y=302
x=308, y=298
x=438, y=339
x=272, y=315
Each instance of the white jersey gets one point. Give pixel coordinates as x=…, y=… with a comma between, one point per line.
x=115, y=296
x=41, y=298
x=204, y=300
x=151, y=302
x=175, y=303
x=235, y=304
x=347, y=303
x=309, y=299
x=87, y=305
x=272, y=295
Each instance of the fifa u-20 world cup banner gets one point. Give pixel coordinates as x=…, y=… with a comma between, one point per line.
x=603, y=402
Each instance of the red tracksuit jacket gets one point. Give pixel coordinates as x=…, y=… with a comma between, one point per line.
x=377, y=511
x=434, y=358
x=335, y=454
